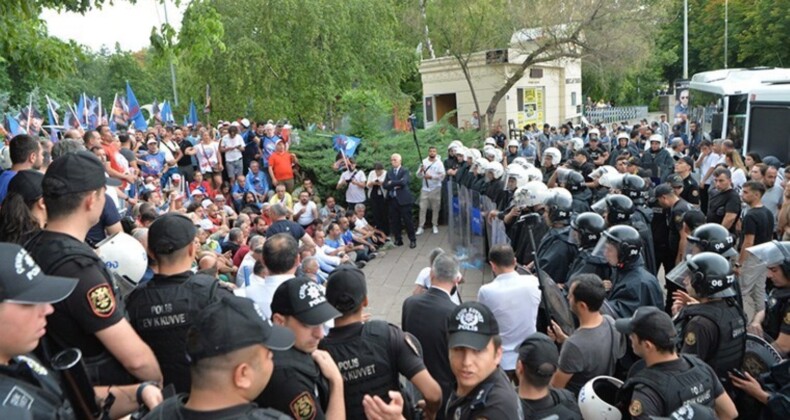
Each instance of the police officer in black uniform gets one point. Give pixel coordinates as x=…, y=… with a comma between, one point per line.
x=683, y=168
x=773, y=323
x=582, y=196
x=91, y=318
x=618, y=209
x=715, y=329
x=636, y=188
x=663, y=381
x=537, y=361
x=28, y=388
x=556, y=251
x=371, y=355
x=230, y=347
x=481, y=389
x=674, y=208
x=586, y=231
x=306, y=382
x=598, y=155
x=162, y=309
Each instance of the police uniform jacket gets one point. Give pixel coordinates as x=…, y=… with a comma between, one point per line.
x=296, y=386
x=494, y=398
x=28, y=390
x=633, y=287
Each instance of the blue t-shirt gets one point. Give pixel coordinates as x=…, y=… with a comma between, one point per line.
x=156, y=162
x=109, y=217
x=5, y=179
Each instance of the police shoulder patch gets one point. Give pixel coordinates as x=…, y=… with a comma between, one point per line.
x=691, y=339
x=787, y=318
x=101, y=300
x=303, y=407
x=695, y=192
x=635, y=409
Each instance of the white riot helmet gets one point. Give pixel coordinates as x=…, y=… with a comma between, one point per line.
x=491, y=141
x=461, y=151
x=520, y=160
x=489, y=152
x=657, y=138
x=534, y=174
x=125, y=258
x=530, y=195
x=594, y=131
x=496, y=169
x=554, y=154
x=453, y=144
x=512, y=143
x=519, y=174
x=474, y=154
x=480, y=164
x=605, y=169
x=597, y=399
x=497, y=155
x=577, y=144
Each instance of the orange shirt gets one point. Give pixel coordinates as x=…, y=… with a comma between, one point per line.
x=281, y=165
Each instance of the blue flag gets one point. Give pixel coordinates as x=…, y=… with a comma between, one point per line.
x=347, y=144
x=52, y=121
x=193, y=117
x=135, y=114
x=81, y=110
x=185, y=121
x=13, y=125
x=155, y=111
x=167, y=114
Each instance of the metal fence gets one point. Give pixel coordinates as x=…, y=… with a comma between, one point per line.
x=615, y=114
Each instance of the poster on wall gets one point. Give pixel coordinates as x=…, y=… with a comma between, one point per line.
x=533, y=111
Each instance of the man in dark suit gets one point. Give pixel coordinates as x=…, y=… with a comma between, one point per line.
x=425, y=316
x=400, y=201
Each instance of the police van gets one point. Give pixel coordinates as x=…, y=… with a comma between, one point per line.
x=768, y=121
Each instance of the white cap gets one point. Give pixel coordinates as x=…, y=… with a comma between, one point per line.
x=176, y=177
x=245, y=122
x=234, y=124
x=490, y=140
x=196, y=192
x=219, y=197
x=206, y=224
x=205, y=203
x=623, y=135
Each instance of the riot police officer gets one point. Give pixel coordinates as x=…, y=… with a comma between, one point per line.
x=556, y=251
x=526, y=200
x=715, y=329
x=663, y=380
x=586, y=231
x=482, y=390
x=305, y=383
x=618, y=209
x=92, y=318
x=773, y=322
x=582, y=196
x=162, y=309
x=371, y=354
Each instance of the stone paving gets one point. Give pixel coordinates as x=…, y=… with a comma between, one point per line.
x=391, y=277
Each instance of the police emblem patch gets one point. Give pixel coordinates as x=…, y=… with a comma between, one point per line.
x=101, y=300
x=695, y=193
x=635, y=409
x=691, y=339
x=303, y=407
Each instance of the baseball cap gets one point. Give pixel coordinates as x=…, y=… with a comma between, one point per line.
x=75, y=173
x=663, y=190
x=675, y=180
x=151, y=140
x=196, y=192
x=25, y=282
x=170, y=232
x=539, y=355
x=346, y=288
x=232, y=323
x=689, y=161
x=471, y=325
x=303, y=299
x=634, y=161
x=649, y=323
x=694, y=218
x=245, y=122
x=205, y=203
x=27, y=184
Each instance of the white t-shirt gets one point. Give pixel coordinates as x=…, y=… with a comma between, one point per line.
x=372, y=177
x=228, y=142
x=165, y=147
x=354, y=193
x=207, y=156
x=307, y=217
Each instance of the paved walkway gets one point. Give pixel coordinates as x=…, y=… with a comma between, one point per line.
x=391, y=277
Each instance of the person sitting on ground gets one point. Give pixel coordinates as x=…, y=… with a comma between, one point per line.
x=331, y=211
x=281, y=196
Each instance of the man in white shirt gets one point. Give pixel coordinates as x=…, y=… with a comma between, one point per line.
x=514, y=299
x=708, y=159
x=305, y=210
x=355, y=181
x=432, y=173
x=246, y=268
x=281, y=256
x=232, y=145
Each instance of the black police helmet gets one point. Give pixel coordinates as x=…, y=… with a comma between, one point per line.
x=711, y=275
x=559, y=207
x=627, y=240
x=619, y=209
x=634, y=187
x=575, y=182
x=712, y=237
x=589, y=226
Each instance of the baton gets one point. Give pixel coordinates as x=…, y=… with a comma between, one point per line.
x=413, y=123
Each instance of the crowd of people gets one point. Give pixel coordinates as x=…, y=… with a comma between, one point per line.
x=199, y=274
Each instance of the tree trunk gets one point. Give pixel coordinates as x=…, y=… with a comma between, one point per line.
x=425, y=31
x=465, y=69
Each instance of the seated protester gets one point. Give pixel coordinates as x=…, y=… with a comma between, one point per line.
x=281, y=196
x=307, y=185
x=230, y=366
x=365, y=229
x=235, y=240
x=257, y=181
x=352, y=237
x=594, y=348
x=338, y=246
x=240, y=187
x=305, y=211
x=224, y=208
x=199, y=184
x=537, y=362
x=423, y=282
x=266, y=213
x=331, y=211
x=328, y=258
x=312, y=269
x=248, y=262
x=213, y=214
x=155, y=159
x=249, y=202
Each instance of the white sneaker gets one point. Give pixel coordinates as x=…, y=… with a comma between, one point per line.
x=419, y=231
x=435, y=230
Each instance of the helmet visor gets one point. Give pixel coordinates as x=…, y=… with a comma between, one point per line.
x=760, y=257
x=562, y=175
x=679, y=274
x=600, y=206
x=605, y=247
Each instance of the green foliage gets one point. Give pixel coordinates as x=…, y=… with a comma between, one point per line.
x=367, y=110
x=316, y=155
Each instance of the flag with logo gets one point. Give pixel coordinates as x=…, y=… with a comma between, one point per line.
x=12, y=125
x=156, y=111
x=52, y=119
x=346, y=144
x=167, y=114
x=135, y=114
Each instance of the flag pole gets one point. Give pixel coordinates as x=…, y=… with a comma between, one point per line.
x=112, y=110
x=29, y=112
x=99, y=110
x=74, y=112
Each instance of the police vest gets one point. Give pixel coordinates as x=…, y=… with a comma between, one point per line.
x=162, y=310
x=296, y=363
x=50, y=256
x=366, y=364
x=695, y=385
x=20, y=398
x=565, y=407
x=172, y=408
x=731, y=323
x=778, y=302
